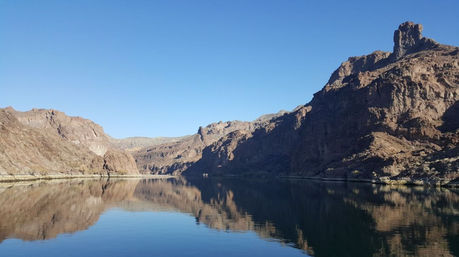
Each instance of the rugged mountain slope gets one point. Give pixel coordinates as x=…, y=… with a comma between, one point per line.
x=380, y=116
x=175, y=157
x=48, y=142
x=383, y=116
x=27, y=150
x=132, y=144
x=74, y=129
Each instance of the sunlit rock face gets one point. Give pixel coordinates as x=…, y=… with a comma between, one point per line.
x=323, y=219
x=77, y=130
x=48, y=142
x=27, y=150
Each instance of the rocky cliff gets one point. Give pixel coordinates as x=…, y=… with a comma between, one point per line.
x=178, y=155
x=48, y=142
x=382, y=116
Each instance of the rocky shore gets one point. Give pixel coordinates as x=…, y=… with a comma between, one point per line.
x=15, y=178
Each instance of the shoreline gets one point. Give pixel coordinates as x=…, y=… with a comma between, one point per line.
x=446, y=183
x=385, y=181
x=18, y=178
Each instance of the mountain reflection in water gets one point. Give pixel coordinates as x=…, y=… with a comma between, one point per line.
x=323, y=219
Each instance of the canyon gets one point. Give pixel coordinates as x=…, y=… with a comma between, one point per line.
x=386, y=117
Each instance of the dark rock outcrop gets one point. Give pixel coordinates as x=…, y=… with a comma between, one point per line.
x=177, y=156
x=265, y=150
x=408, y=39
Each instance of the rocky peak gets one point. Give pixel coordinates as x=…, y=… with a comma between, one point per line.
x=355, y=65
x=408, y=39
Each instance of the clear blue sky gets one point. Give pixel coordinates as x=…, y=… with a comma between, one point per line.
x=163, y=68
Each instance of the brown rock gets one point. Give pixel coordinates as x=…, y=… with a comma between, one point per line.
x=119, y=162
x=48, y=142
x=379, y=116
x=26, y=150
x=408, y=39
x=177, y=156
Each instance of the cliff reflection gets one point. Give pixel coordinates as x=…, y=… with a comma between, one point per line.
x=43, y=210
x=323, y=219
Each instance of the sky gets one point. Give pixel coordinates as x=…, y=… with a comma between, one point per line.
x=164, y=68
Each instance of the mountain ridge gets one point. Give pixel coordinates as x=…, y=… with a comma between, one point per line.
x=384, y=117
x=48, y=142
x=381, y=117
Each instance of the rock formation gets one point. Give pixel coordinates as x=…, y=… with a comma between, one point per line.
x=408, y=39
x=119, y=162
x=48, y=142
x=383, y=116
x=133, y=144
x=380, y=117
x=74, y=129
x=176, y=156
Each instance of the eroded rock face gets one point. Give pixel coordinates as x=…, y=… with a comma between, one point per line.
x=133, y=144
x=48, y=142
x=74, y=129
x=119, y=162
x=265, y=150
x=386, y=121
x=177, y=156
x=408, y=39
x=26, y=150
x=380, y=116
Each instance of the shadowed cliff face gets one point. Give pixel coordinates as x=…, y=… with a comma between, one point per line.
x=176, y=156
x=385, y=120
x=323, y=219
x=380, y=116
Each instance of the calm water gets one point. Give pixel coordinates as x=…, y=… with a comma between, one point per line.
x=227, y=217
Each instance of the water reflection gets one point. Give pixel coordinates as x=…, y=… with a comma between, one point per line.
x=323, y=219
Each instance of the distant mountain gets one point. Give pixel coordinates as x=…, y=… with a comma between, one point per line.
x=132, y=144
